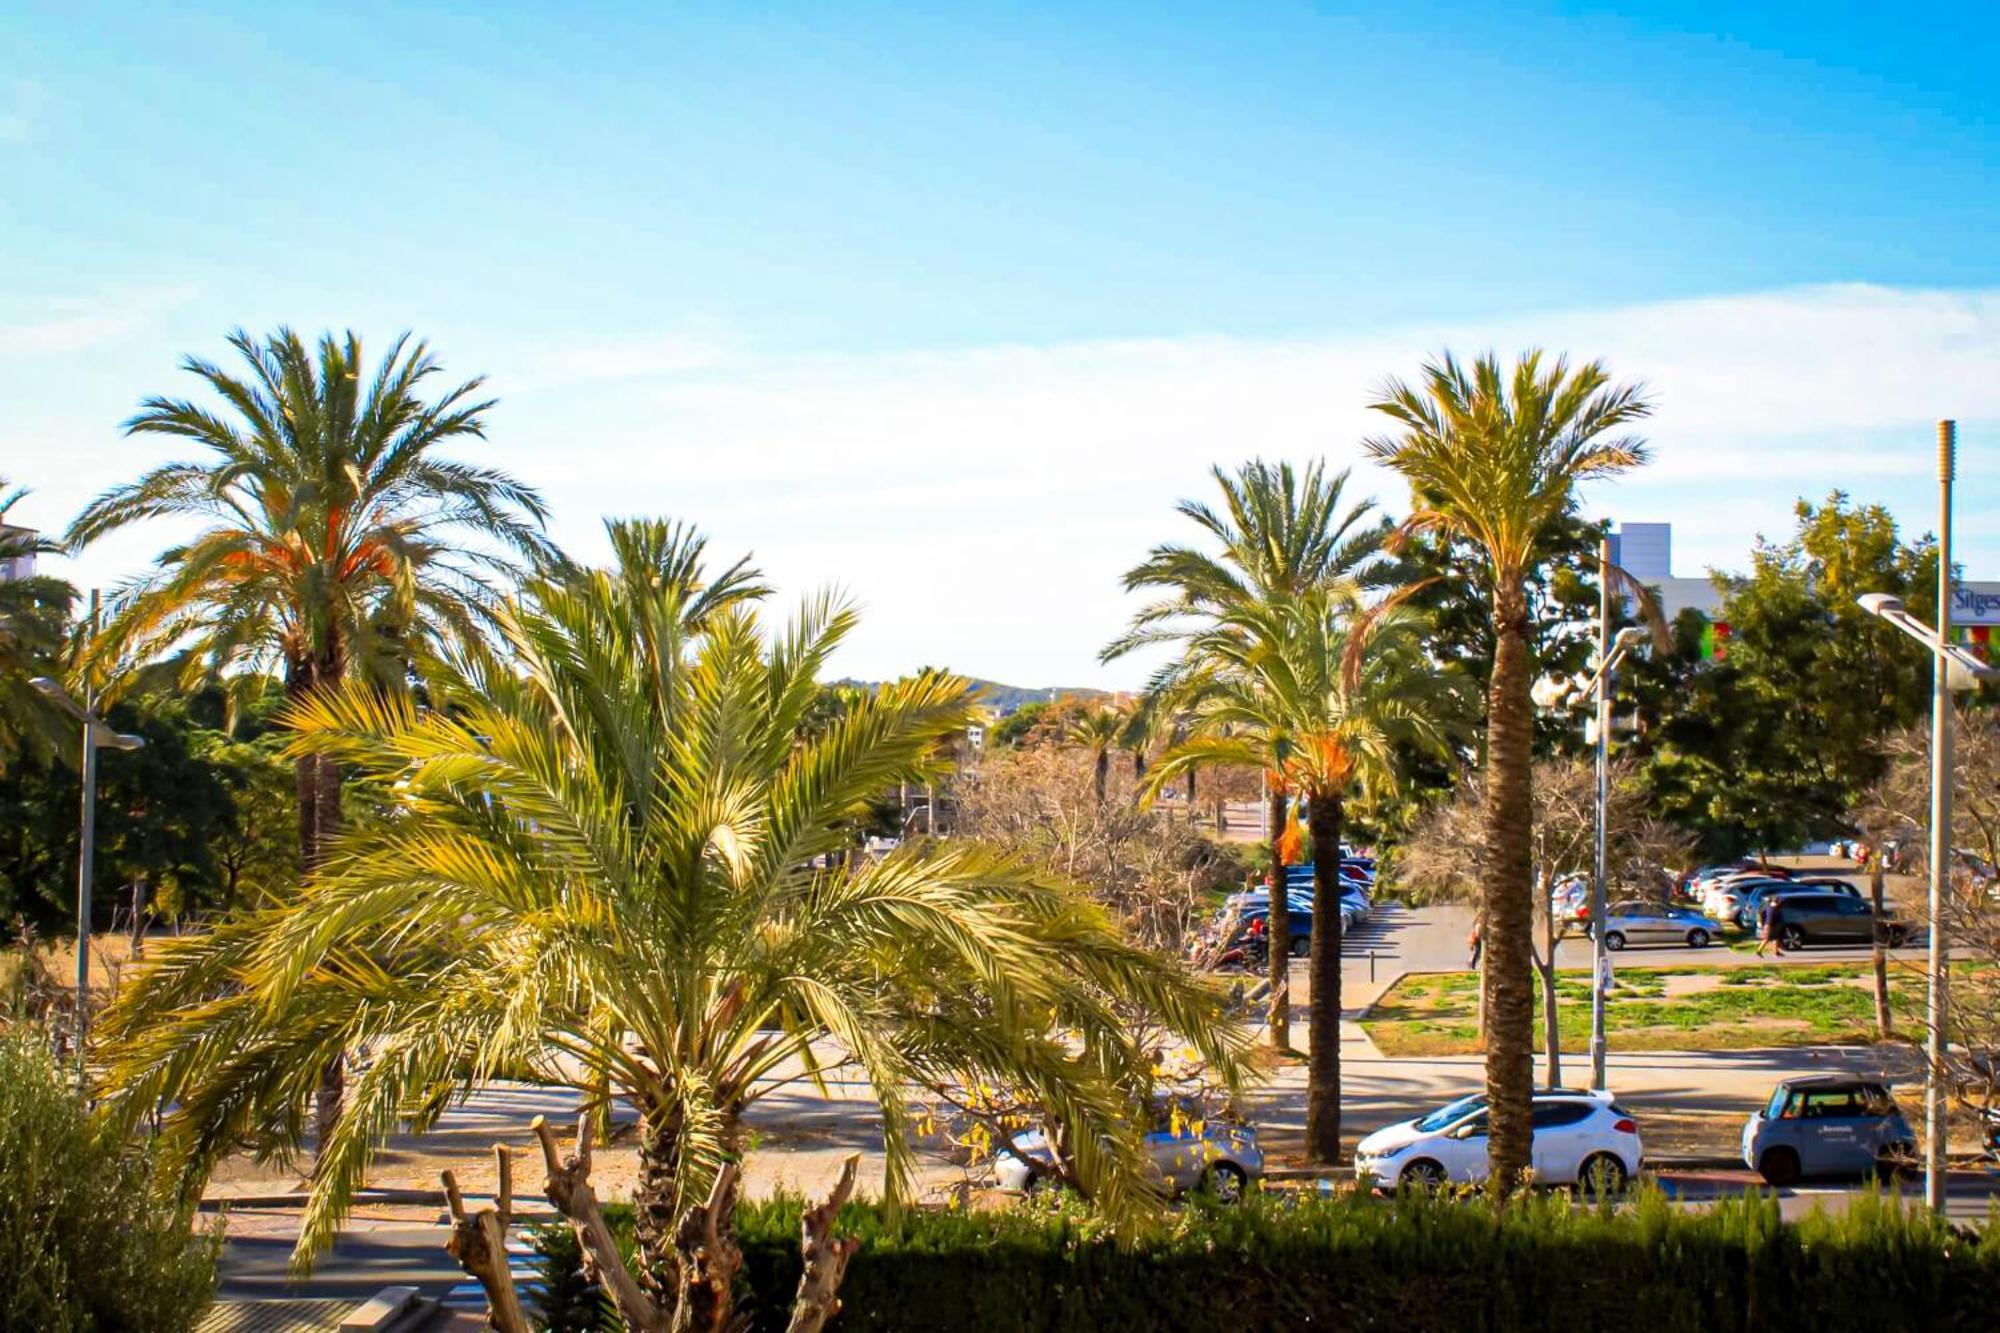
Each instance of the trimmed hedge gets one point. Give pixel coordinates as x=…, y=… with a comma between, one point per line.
x=1355, y=1262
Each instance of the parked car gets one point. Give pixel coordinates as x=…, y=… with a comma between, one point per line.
x=1724, y=897
x=1750, y=909
x=1657, y=923
x=1581, y=1138
x=1186, y=1151
x=1827, y=1125
x=1801, y=919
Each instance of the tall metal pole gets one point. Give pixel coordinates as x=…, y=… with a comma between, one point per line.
x=1942, y=769
x=1597, y=893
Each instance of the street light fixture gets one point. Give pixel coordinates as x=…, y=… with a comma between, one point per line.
x=1952, y=669
x=96, y=736
x=1961, y=671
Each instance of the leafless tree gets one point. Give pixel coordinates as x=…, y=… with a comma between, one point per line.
x=1150, y=870
x=1897, y=810
x=1440, y=862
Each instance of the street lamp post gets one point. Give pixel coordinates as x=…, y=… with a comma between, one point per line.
x=1952, y=669
x=1611, y=650
x=1609, y=656
x=95, y=736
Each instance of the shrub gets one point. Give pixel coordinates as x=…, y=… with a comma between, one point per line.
x=1409, y=1263
x=568, y=1301
x=87, y=1242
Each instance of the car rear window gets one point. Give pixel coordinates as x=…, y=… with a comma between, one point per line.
x=1548, y=1115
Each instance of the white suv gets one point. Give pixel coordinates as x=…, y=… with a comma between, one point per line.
x=1581, y=1138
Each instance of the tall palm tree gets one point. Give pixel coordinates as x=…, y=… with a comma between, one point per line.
x=1278, y=532
x=33, y=612
x=1328, y=696
x=334, y=534
x=604, y=867
x=1495, y=457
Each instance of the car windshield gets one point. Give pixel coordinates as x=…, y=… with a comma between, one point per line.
x=1446, y=1115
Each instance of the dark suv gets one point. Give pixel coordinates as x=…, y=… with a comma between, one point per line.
x=1830, y=918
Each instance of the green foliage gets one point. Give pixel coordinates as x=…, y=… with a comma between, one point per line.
x=1538, y=1262
x=333, y=529
x=1772, y=746
x=86, y=1242
x=568, y=1302
x=1562, y=596
x=609, y=842
x=33, y=613
x=161, y=813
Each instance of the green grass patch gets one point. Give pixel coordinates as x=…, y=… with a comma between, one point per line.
x=1648, y=1009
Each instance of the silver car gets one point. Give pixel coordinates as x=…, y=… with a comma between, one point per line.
x=1657, y=923
x=1222, y=1156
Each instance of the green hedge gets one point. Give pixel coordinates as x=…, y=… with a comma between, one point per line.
x=1349, y=1262
x=88, y=1242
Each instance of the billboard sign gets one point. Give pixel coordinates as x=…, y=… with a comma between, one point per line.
x=1975, y=604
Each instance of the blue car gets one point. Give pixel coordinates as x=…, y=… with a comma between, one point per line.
x=1827, y=1125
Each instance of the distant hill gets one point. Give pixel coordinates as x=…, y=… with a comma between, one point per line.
x=1004, y=699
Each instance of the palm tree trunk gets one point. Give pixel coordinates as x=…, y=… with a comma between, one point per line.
x=1885, y=1023
x=1325, y=816
x=1278, y=929
x=1102, y=776
x=1506, y=902
x=688, y=1253
x=317, y=781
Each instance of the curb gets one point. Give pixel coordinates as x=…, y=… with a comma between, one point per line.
x=298, y=1199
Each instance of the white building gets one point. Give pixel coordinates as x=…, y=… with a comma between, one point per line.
x=1646, y=552
x=21, y=566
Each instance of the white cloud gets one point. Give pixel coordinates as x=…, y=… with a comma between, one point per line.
x=982, y=503
x=78, y=324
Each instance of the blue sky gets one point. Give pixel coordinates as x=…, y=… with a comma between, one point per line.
x=948, y=308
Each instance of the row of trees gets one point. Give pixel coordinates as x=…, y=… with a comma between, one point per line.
x=1302, y=651
x=597, y=827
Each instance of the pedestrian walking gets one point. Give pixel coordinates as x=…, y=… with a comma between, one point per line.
x=1475, y=944
x=1767, y=929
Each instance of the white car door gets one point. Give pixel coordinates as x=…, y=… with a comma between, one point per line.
x=1561, y=1140
x=1462, y=1150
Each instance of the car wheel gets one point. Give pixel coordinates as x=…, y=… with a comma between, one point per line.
x=1302, y=946
x=1424, y=1175
x=1697, y=939
x=1779, y=1166
x=1889, y=1164
x=1614, y=940
x=1602, y=1174
x=1792, y=937
x=1226, y=1181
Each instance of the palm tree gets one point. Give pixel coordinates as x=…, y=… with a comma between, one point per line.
x=604, y=867
x=33, y=612
x=1495, y=458
x=1099, y=729
x=1328, y=697
x=334, y=537
x=1280, y=532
